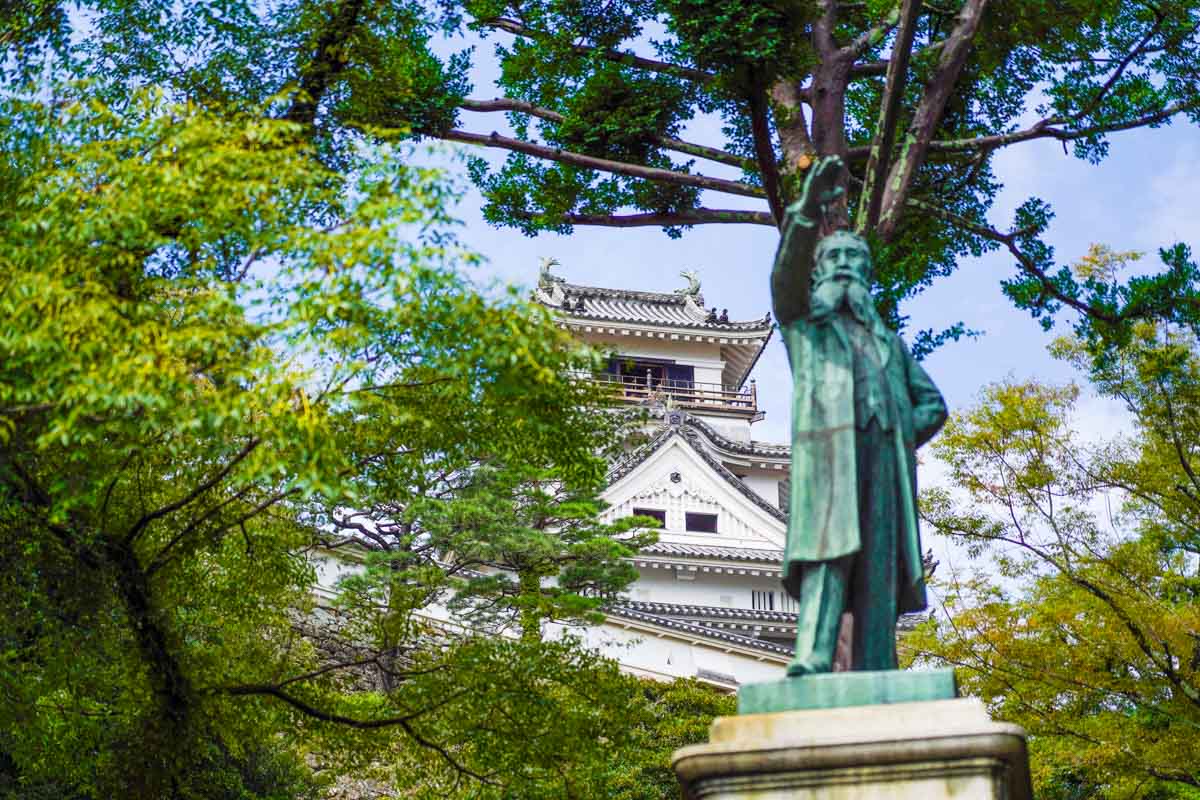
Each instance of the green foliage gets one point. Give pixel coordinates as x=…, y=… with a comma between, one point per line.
x=1077, y=615
x=214, y=346
x=667, y=717
x=623, y=81
x=533, y=548
x=615, y=741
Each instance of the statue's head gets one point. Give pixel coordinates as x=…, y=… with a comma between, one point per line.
x=842, y=256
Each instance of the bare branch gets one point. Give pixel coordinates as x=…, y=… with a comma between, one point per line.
x=871, y=69
x=690, y=148
x=620, y=57
x=602, y=164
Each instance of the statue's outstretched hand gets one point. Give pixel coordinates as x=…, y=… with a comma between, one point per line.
x=821, y=188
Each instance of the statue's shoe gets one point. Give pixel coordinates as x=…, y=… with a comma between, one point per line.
x=799, y=668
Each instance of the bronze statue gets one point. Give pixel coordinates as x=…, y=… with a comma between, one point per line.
x=861, y=406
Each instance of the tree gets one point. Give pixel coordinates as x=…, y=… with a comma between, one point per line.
x=213, y=346
x=533, y=550
x=916, y=97
x=655, y=719
x=1079, y=619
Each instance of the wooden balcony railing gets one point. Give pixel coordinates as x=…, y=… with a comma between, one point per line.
x=690, y=394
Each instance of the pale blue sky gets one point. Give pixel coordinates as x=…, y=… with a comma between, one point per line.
x=1141, y=197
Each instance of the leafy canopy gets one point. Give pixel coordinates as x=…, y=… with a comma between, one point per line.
x=214, y=345
x=1077, y=615
x=917, y=98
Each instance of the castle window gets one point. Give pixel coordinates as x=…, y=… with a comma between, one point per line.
x=657, y=513
x=762, y=601
x=700, y=523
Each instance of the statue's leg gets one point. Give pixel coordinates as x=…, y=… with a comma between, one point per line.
x=823, y=586
x=874, y=586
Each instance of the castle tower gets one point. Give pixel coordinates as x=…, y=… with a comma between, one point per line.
x=708, y=602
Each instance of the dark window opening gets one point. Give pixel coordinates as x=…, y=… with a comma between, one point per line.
x=762, y=601
x=700, y=523
x=643, y=373
x=657, y=513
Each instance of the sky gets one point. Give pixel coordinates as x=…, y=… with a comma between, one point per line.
x=1142, y=197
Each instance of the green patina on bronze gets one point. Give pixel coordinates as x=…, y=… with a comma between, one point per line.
x=861, y=406
x=839, y=689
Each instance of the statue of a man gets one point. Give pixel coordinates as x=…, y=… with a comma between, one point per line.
x=861, y=406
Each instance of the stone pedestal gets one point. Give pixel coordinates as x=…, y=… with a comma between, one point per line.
x=931, y=750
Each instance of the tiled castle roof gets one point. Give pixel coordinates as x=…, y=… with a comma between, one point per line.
x=751, y=448
x=700, y=631
x=690, y=435
x=712, y=612
x=676, y=310
x=714, y=551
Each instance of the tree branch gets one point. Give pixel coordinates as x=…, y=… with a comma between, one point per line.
x=618, y=56
x=1045, y=129
x=1027, y=265
x=328, y=59
x=695, y=216
x=678, y=145
x=792, y=127
x=172, y=507
x=764, y=152
x=871, y=69
x=928, y=115
x=1121, y=67
x=876, y=33
x=601, y=164
x=878, y=162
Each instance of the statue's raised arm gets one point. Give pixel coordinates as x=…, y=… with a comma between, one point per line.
x=791, y=278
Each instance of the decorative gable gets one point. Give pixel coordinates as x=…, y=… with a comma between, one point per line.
x=677, y=480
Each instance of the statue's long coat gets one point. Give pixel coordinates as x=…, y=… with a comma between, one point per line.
x=824, y=514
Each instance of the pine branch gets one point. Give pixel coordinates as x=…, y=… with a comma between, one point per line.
x=678, y=145
x=1024, y=262
x=618, y=56
x=601, y=164
x=403, y=722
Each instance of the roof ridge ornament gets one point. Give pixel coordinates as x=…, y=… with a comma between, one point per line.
x=545, y=279
x=693, y=287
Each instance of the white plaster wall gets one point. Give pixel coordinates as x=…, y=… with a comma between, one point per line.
x=665, y=658
x=330, y=569
x=765, y=485
x=735, y=428
x=704, y=589
x=654, y=347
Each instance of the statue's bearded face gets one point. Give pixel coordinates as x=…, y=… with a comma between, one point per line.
x=842, y=275
x=843, y=259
